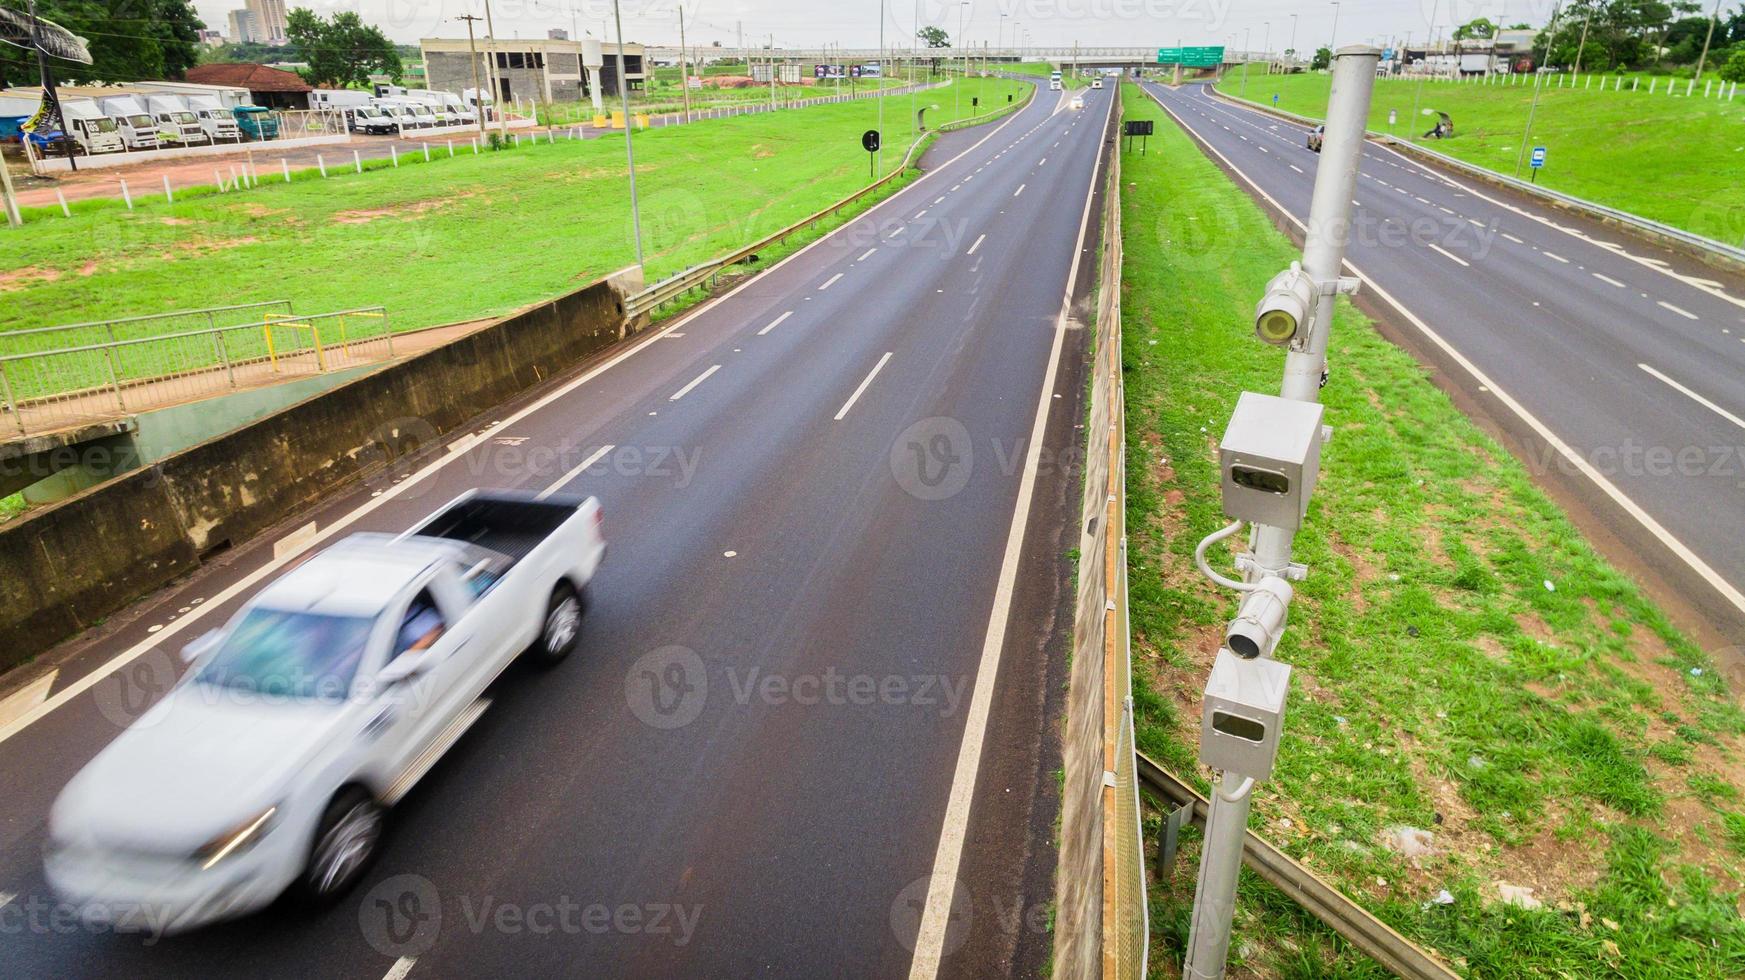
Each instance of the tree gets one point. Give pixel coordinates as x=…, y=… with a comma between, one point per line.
x=1480, y=29
x=130, y=40
x=934, y=36
x=1323, y=58
x=1734, y=68
x=340, y=52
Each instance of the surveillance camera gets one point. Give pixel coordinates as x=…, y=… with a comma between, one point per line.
x=1286, y=314
x=1260, y=620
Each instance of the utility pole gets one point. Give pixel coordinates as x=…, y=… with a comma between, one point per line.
x=1533, y=107
x=1245, y=61
x=477, y=90
x=1581, y=46
x=1293, y=37
x=497, y=94
x=879, y=157
x=1710, y=36
x=1245, y=694
x=1333, y=38
x=629, y=124
x=772, y=71
x=684, y=65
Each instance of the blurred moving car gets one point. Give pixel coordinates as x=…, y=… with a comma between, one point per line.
x=1078, y=102
x=1315, y=136
x=270, y=765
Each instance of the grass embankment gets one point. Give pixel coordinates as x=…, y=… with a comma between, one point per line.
x=664, y=98
x=1465, y=663
x=454, y=239
x=1673, y=159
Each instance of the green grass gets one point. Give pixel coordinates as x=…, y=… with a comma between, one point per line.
x=1553, y=738
x=660, y=98
x=1673, y=159
x=455, y=239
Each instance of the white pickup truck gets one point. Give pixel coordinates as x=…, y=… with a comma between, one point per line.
x=269, y=766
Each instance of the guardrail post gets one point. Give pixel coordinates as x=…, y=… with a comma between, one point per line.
x=315, y=338
x=387, y=331
x=219, y=348
x=114, y=379
x=12, y=406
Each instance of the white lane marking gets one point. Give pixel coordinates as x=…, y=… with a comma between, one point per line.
x=1679, y=549
x=1512, y=238
x=863, y=383
x=942, y=196
x=1296, y=168
x=778, y=320
x=6, y=899
x=866, y=253
x=699, y=379
x=401, y=967
x=1438, y=248
x=576, y=471
x=1663, y=304
x=1693, y=396
x=1264, y=149
x=978, y=244
x=673, y=336
x=1020, y=190
x=21, y=701
x=1554, y=256
x=1608, y=280
x=936, y=914
x=1473, y=221
x=830, y=282
x=455, y=451
x=919, y=214
x=1444, y=210
x=1042, y=161
x=955, y=186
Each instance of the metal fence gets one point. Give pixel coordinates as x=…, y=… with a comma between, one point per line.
x=44, y=390
x=109, y=331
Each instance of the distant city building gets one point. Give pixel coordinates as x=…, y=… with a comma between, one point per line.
x=211, y=38
x=270, y=17
x=539, y=70
x=244, y=28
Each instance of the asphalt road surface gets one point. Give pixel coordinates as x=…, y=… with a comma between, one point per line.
x=1611, y=365
x=820, y=491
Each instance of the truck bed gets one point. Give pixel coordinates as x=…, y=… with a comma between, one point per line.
x=509, y=524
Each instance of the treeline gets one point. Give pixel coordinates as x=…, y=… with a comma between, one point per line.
x=129, y=39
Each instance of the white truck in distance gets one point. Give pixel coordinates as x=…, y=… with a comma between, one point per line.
x=269, y=766
x=214, y=118
x=137, y=127
x=93, y=131
x=175, y=123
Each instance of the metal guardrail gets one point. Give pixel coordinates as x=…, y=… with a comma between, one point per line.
x=44, y=390
x=674, y=286
x=1345, y=917
x=127, y=327
x=1646, y=226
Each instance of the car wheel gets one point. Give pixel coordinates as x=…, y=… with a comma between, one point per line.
x=563, y=625
x=346, y=841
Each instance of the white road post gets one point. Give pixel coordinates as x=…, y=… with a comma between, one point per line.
x=393, y=155
x=126, y=196
x=66, y=212
x=285, y=166
x=169, y=195
x=1329, y=231
x=357, y=161
x=427, y=153
x=321, y=164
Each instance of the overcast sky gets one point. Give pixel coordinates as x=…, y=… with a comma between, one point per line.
x=855, y=23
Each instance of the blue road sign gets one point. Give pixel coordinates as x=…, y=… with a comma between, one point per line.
x=1538, y=157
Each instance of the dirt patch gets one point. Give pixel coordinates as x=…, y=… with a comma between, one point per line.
x=31, y=275
x=409, y=210
x=175, y=222
x=89, y=268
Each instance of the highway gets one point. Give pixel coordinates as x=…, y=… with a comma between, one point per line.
x=829, y=633
x=1609, y=364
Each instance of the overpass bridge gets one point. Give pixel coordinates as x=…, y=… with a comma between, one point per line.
x=1061, y=56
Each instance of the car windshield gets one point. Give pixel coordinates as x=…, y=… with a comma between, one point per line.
x=290, y=654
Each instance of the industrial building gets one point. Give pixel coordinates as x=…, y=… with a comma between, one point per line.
x=528, y=69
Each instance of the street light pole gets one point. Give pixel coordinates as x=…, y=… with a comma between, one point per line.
x=879, y=156
x=629, y=124
x=1533, y=107
x=1244, y=88
x=1333, y=39
x=684, y=65
x=1293, y=37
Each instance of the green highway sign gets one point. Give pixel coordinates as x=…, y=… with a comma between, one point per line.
x=1204, y=57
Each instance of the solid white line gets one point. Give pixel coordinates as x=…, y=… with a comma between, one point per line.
x=778, y=320
x=936, y=915
x=1587, y=469
x=1020, y=190
x=1449, y=254
x=864, y=382
x=866, y=253
x=978, y=244
x=699, y=379
x=401, y=967
x=1688, y=315
x=1608, y=280
x=830, y=282
x=1556, y=257
x=455, y=450
x=598, y=455
x=1693, y=396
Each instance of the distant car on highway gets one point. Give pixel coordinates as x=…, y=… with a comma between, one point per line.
x=270, y=765
x=1315, y=136
x=1096, y=83
x=1078, y=102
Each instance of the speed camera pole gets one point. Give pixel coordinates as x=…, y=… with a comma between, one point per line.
x=629, y=124
x=1269, y=461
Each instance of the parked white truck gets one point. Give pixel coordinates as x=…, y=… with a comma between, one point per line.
x=176, y=125
x=93, y=131
x=270, y=765
x=138, y=128
x=215, y=119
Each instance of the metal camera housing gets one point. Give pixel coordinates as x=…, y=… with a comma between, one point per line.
x=1285, y=316
x=1260, y=620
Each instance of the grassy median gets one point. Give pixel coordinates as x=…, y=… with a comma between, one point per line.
x=1466, y=665
x=458, y=238
x=1670, y=158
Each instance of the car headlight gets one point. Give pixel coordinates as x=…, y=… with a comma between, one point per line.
x=238, y=838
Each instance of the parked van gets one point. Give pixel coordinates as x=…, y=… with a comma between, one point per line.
x=138, y=128
x=370, y=119
x=93, y=131
x=215, y=120
x=337, y=98
x=176, y=125
x=400, y=112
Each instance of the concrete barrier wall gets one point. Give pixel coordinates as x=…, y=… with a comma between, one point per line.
x=69, y=565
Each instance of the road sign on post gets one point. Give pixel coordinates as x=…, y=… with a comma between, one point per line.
x=869, y=141
x=1537, y=161
x=1140, y=128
